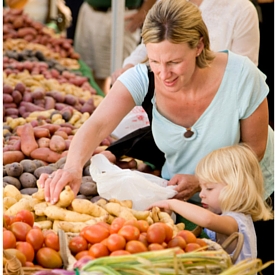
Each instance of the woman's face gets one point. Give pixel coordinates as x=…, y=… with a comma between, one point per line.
x=173, y=64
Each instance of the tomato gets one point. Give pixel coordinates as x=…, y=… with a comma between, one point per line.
x=168, y=232
x=48, y=258
x=98, y=250
x=20, y=230
x=116, y=242
x=82, y=254
x=25, y=216
x=6, y=221
x=188, y=236
x=143, y=225
x=156, y=233
x=143, y=238
x=52, y=240
x=191, y=247
x=9, y=240
x=18, y=254
x=177, y=241
x=201, y=242
x=120, y=252
x=77, y=244
x=135, y=246
x=104, y=224
x=155, y=246
x=132, y=222
x=95, y=233
x=116, y=224
x=35, y=237
x=26, y=249
x=29, y=264
x=129, y=232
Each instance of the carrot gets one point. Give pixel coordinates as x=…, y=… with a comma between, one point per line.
x=45, y=154
x=28, y=142
x=12, y=156
x=57, y=144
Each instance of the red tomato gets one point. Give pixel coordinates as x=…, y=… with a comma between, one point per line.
x=20, y=230
x=29, y=264
x=120, y=252
x=26, y=249
x=188, y=236
x=143, y=225
x=156, y=233
x=116, y=224
x=135, y=246
x=143, y=238
x=48, y=258
x=52, y=240
x=132, y=222
x=155, y=246
x=129, y=232
x=82, y=254
x=77, y=244
x=116, y=242
x=35, y=237
x=98, y=250
x=25, y=216
x=177, y=241
x=168, y=232
x=95, y=233
x=104, y=224
x=191, y=247
x=9, y=240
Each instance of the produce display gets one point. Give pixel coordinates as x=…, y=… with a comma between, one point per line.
x=46, y=99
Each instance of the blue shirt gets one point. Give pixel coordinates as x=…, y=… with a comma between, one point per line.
x=242, y=90
x=246, y=227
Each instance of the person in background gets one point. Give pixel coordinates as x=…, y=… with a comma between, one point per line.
x=232, y=192
x=74, y=6
x=203, y=100
x=232, y=25
x=93, y=34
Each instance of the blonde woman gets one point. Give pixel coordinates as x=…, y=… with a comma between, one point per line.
x=232, y=197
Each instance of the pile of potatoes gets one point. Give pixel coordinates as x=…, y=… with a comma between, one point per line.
x=16, y=24
x=24, y=176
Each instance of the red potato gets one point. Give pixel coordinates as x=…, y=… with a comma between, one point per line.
x=45, y=154
x=17, y=96
x=57, y=144
x=49, y=103
x=51, y=127
x=31, y=107
x=11, y=112
x=10, y=105
x=12, y=156
x=28, y=141
x=7, y=98
x=40, y=132
x=62, y=132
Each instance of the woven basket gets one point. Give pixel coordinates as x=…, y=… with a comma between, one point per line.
x=14, y=267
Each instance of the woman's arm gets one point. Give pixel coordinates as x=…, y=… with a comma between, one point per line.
x=225, y=225
x=254, y=130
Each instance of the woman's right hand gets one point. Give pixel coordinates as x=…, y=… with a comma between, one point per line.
x=54, y=183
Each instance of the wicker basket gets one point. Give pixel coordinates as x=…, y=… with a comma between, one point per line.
x=14, y=267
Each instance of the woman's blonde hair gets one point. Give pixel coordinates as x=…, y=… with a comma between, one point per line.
x=178, y=21
x=238, y=167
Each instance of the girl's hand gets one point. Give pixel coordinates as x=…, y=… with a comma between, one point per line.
x=164, y=204
x=53, y=184
x=185, y=185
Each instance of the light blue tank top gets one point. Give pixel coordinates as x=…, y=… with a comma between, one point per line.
x=242, y=89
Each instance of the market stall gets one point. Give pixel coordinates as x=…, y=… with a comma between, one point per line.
x=48, y=93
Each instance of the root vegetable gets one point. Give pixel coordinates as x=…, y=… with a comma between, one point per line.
x=28, y=142
x=28, y=165
x=13, y=181
x=12, y=191
x=14, y=169
x=28, y=180
x=56, y=213
x=65, y=197
x=23, y=203
x=45, y=154
x=119, y=211
x=87, y=207
x=57, y=144
x=12, y=156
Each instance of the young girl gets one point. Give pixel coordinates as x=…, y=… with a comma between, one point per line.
x=232, y=197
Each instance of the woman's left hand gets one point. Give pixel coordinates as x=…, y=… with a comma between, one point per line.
x=185, y=185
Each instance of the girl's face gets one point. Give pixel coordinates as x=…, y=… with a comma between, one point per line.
x=173, y=64
x=209, y=195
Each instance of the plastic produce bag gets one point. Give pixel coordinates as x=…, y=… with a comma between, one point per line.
x=124, y=184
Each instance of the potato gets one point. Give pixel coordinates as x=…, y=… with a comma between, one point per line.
x=44, y=169
x=28, y=165
x=28, y=180
x=12, y=191
x=88, y=188
x=14, y=169
x=13, y=181
x=28, y=191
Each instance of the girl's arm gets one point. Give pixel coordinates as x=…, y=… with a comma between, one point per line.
x=221, y=224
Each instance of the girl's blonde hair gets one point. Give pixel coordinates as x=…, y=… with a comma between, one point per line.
x=178, y=21
x=238, y=167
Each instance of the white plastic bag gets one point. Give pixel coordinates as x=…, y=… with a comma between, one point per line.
x=137, y=118
x=124, y=184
